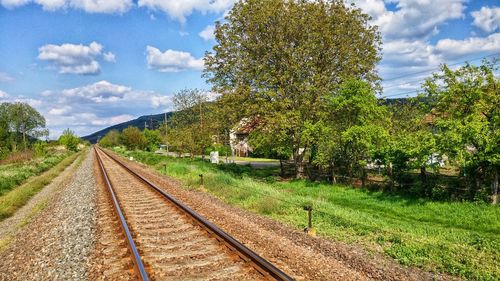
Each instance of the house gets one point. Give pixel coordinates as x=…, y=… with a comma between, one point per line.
x=238, y=137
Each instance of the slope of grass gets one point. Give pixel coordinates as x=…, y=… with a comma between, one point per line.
x=12, y=175
x=17, y=197
x=461, y=239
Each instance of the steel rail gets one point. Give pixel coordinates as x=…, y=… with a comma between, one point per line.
x=245, y=253
x=138, y=265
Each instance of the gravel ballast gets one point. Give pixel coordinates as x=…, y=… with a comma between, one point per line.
x=58, y=242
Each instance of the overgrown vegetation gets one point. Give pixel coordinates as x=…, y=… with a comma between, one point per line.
x=14, y=199
x=459, y=238
x=12, y=175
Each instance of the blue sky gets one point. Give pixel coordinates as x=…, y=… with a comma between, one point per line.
x=88, y=64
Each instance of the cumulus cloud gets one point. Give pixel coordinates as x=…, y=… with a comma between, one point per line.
x=60, y=111
x=75, y=59
x=412, y=19
x=208, y=33
x=99, y=92
x=171, y=60
x=89, y=6
x=4, y=77
x=451, y=48
x=91, y=107
x=179, y=10
x=487, y=19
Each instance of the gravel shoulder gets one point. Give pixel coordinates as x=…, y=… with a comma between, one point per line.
x=58, y=242
x=301, y=256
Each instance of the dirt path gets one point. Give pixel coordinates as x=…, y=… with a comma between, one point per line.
x=9, y=226
x=302, y=256
x=57, y=244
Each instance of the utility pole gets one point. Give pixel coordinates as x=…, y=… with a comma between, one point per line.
x=201, y=130
x=166, y=131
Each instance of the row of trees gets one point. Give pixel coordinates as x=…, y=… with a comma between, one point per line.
x=305, y=72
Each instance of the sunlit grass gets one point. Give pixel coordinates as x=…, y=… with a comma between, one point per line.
x=17, y=197
x=459, y=238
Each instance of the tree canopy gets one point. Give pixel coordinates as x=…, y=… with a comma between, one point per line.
x=279, y=60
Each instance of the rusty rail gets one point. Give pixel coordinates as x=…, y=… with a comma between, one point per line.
x=262, y=265
x=138, y=265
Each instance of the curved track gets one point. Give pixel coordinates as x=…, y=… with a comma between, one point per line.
x=169, y=241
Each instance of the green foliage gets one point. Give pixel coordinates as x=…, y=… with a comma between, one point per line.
x=18, y=122
x=355, y=132
x=153, y=139
x=12, y=175
x=111, y=139
x=14, y=199
x=192, y=125
x=466, y=116
x=40, y=148
x=69, y=140
x=278, y=60
x=133, y=138
x=459, y=238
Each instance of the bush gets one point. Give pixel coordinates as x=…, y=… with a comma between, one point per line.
x=40, y=148
x=69, y=140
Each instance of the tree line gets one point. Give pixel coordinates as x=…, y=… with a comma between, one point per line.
x=305, y=72
x=22, y=128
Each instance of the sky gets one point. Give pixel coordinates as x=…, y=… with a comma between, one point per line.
x=89, y=64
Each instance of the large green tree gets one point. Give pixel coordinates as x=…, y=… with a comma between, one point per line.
x=133, y=138
x=18, y=122
x=354, y=129
x=279, y=59
x=193, y=120
x=466, y=113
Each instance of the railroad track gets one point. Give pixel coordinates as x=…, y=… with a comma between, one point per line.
x=166, y=240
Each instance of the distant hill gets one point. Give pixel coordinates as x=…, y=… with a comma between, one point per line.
x=151, y=121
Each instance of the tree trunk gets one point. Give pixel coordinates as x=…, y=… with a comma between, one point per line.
x=363, y=177
x=423, y=180
x=334, y=177
x=24, y=141
x=298, y=158
x=282, y=169
x=494, y=186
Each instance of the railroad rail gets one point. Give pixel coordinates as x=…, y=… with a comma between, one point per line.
x=242, y=260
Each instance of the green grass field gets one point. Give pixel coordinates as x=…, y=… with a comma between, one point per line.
x=17, y=197
x=12, y=175
x=458, y=238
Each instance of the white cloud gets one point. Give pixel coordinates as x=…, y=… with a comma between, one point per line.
x=208, y=33
x=3, y=94
x=99, y=92
x=179, y=10
x=109, y=57
x=60, y=111
x=89, y=6
x=4, y=77
x=91, y=107
x=454, y=48
x=75, y=59
x=157, y=101
x=10, y=4
x=171, y=60
x=415, y=19
x=487, y=19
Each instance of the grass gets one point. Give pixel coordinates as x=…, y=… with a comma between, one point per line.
x=458, y=238
x=247, y=159
x=12, y=175
x=17, y=197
